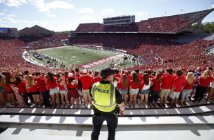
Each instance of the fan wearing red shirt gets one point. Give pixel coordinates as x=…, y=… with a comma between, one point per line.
x=155, y=89
x=123, y=86
x=86, y=81
x=204, y=81
x=166, y=82
x=51, y=83
x=21, y=85
x=32, y=89
x=177, y=86
x=135, y=86
x=40, y=80
x=63, y=90
x=8, y=90
x=73, y=94
x=116, y=73
x=2, y=84
x=79, y=87
x=190, y=81
x=96, y=77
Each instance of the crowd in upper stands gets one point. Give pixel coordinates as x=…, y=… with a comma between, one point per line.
x=48, y=42
x=170, y=24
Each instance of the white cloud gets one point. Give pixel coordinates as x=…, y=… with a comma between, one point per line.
x=40, y=4
x=50, y=15
x=107, y=11
x=57, y=4
x=14, y=3
x=89, y=19
x=1, y=14
x=11, y=15
x=11, y=19
x=212, y=6
x=86, y=11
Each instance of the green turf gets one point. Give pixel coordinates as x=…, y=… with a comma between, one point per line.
x=75, y=55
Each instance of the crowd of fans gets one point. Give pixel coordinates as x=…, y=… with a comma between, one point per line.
x=11, y=57
x=48, y=42
x=40, y=87
x=139, y=88
x=185, y=56
x=168, y=24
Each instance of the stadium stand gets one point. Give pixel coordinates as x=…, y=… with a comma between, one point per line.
x=168, y=24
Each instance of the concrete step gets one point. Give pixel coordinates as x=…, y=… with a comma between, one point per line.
x=138, y=112
x=71, y=120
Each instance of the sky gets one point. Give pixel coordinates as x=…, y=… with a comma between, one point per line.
x=66, y=15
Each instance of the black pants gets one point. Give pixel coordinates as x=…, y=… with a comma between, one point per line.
x=154, y=96
x=25, y=97
x=200, y=92
x=46, y=97
x=98, y=120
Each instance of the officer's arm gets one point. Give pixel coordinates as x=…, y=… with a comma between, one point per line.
x=90, y=91
x=122, y=108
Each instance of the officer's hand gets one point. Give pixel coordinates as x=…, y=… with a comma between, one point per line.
x=121, y=112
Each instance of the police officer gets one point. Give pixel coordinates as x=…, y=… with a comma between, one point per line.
x=107, y=101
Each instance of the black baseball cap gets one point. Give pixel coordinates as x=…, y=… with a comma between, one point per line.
x=106, y=72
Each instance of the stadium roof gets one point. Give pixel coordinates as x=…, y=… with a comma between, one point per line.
x=167, y=24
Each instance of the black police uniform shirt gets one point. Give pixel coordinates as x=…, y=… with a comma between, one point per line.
x=119, y=98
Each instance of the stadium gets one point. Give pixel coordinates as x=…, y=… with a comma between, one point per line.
x=146, y=47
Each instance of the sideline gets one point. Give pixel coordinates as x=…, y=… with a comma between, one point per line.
x=102, y=61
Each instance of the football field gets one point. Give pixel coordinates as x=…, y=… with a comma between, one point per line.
x=70, y=55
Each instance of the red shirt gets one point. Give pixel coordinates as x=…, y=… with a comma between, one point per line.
x=121, y=86
x=72, y=86
x=117, y=76
x=189, y=86
x=167, y=81
x=156, y=85
x=34, y=88
x=133, y=86
x=50, y=84
x=22, y=87
x=140, y=76
x=86, y=81
x=96, y=79
x=41, y=84
x=205, y=82
x=8, y=89
x=178, y=83
x=129, y=77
